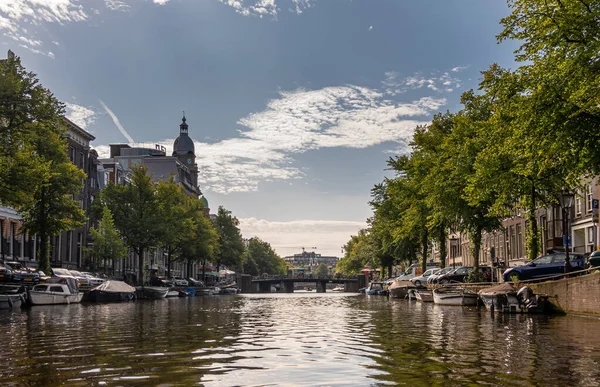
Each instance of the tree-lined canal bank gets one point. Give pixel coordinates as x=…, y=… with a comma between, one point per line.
x=293, y=339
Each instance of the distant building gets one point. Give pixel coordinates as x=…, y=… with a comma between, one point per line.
x=310, y=259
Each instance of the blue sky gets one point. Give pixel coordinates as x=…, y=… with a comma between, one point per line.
x=294, y=105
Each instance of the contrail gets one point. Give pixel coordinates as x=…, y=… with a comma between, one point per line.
x=116, y=121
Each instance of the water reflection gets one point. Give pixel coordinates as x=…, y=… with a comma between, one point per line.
x=294, y=339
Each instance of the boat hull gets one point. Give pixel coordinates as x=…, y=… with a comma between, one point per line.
x=153, y=293
x=399, y=289
x=47, y=298
x=457, y=298
x=424, y=295
x=104, y=296
x=509, y=303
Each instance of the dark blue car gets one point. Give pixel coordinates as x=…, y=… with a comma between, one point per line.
x=544, y=266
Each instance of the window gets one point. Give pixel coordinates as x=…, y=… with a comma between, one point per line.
x=57, y=289
x=519, y=241
x=69, y=237
x=577, y=205
x=72, y=154
x=513, y=250
x=79, y=244
x=589, y=198
x=543, y=260
x=81, y=160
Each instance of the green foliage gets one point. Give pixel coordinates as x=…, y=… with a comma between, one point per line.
x=359, y=252
x=108, y=245
x=259, y=258
x=230, y=245
x=136, y=211
x=28, y=113
x=322, y=269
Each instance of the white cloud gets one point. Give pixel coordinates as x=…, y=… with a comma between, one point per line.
x=80, y=115
x=116, y=5
x=117, y=122
x=394, y=83
x=288, y=238
x=160, y=2
x=459, y=68
x=370, y=28
x=265, y=7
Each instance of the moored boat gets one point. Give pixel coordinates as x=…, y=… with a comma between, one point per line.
x=399, y=289
x=56, y=290
x=112, y=291
x=339, y=288
x=424, y=295
x=151, y=292
x=172, y=293
x=375, y=288
x=505, y=298
x=454, y=296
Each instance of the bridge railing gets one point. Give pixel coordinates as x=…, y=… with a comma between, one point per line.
x=302, y=277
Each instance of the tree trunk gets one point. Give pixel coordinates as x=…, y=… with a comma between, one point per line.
x=169, y=252
x=443, y=249
x=140, y=251
x=531, y=234
x=476, y=235
x=424, y=243
x=44, y=254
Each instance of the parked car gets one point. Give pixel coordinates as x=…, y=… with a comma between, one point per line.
x=160, y=281
x=179, y=281
x=422, y=279
x=461, y=274
x=432, y=279
x=411, y=272
x=194, y=282
x=24, y=274
x=545, y=266
x=82, y=280
x=93, y=279
x=8, y=274
x=594, y=259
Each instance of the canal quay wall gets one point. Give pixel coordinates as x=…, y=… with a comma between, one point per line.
x=575, y=295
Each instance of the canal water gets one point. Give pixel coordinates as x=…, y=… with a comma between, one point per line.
x=291, y=340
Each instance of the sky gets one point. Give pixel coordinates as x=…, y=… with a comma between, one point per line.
x=294, y=105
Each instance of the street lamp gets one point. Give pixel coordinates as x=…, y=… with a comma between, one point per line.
x=453, y=244
x=566, y=202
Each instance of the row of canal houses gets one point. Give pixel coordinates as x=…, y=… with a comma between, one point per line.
x=68, y=248
x=506, y=247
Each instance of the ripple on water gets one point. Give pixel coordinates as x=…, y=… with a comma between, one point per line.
x=294, y=339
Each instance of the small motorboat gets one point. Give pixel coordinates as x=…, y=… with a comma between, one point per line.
x=505, y=298
x=338, y=288
x=151, y=292
x=229, y=290
x=454, y=296
x=424, y=295
x=172, y=293
x=399, y=289
x=56, y=290
x=376, y=288
x=112, y=291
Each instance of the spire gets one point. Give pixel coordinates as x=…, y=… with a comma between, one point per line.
x=183, y=127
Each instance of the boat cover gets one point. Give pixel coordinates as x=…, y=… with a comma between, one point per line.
x=498, y=289
x=115, y=287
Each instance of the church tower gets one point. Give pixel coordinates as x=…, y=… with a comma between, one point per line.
x=184, y=150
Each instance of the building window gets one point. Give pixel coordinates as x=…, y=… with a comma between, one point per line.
x=578, y=205
x=72, y=154
x=81, y=161
x=519, y=241
x=79, y=243
x=589, y=198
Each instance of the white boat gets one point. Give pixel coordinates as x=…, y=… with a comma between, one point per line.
x=424, y=295
x=454, y=296
x=504, y=298
x=56, y=290
x=339, y=288
x=173, y=293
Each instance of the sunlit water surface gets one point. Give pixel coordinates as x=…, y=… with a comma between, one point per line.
x=293, y=339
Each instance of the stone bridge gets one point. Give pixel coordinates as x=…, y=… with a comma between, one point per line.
x=262, y=284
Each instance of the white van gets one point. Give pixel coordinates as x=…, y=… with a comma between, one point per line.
x=415, y=270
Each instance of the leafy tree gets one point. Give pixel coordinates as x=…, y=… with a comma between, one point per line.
x=203, y=243
x=108, y=245
x=28, y=112
x=51, y=208
x=359, y=252
x=261, y=258
x=230, y=245
x=177, y=217
x=136, y=211
x=322, y=269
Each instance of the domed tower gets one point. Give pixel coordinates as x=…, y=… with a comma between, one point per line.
x=184, y=150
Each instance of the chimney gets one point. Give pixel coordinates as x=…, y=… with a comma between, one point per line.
x=11, y=55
